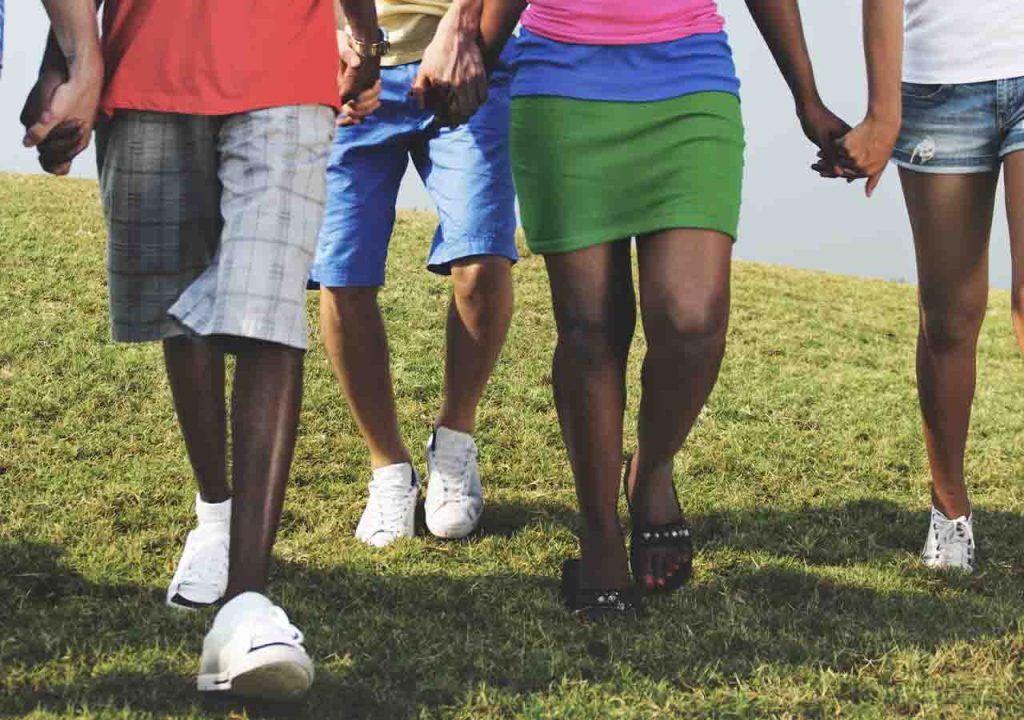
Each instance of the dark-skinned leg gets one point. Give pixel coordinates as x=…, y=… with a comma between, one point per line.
x=951, y=216
x=595, y=313
x=195, y=369
x=478, y=321
x=684, y=303
x=265, y=410
x=356, y=341
x=1014, y=175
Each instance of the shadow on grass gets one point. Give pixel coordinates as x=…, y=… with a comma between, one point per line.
x=830, y=595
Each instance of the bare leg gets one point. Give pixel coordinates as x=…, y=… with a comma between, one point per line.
x=195, y=369
x=264, y=423
x=595, y=312
x=478, y=320
x=357, y=343
x=1014, y=165
x=684, y=301
x=951, y=216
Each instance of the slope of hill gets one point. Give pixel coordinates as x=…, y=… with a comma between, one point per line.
x=805, y=481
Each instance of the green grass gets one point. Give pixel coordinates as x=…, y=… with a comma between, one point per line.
x=805, y=480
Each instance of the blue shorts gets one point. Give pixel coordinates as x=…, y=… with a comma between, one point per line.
x=466, y=170
x=955, y=129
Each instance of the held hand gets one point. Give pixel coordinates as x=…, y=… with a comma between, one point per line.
x=822, y=127
x=867, y=148
x=355, y=74
x=60, y=111
x=452, y=81
x=366, y=102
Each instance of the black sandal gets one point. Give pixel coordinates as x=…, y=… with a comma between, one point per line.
x=672, y=535
x=611, y=604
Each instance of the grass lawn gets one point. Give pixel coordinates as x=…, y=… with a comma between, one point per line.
x=805, y=480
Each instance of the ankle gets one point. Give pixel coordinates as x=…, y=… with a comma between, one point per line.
x=459, y=422
x=396, y=456
x=952, y=504
x=214, y=494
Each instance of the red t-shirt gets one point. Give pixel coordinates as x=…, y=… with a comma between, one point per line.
x=216, y=57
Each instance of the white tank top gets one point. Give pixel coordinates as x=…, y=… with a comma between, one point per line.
x=963, y=41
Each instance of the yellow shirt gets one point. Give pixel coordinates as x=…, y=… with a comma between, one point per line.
x=410, y=25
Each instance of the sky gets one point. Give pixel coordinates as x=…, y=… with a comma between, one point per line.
x=790, y=216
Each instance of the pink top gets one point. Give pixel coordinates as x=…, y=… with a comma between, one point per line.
x=621, y=22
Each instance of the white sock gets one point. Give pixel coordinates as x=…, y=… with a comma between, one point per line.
x=213, y=512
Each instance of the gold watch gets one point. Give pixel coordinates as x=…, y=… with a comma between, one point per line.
x=370, y=50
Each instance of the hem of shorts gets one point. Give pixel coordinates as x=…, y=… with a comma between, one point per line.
x=144, y=337
x=677, y=222
x=237, y=333
x=944, y=169
x=343, y=279
x=441, y=264
x=1011, y=150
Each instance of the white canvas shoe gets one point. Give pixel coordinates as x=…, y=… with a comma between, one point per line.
x=202, y=573
x=950, y=543
x=253, y=651
x=390, y=511
x=455, y=498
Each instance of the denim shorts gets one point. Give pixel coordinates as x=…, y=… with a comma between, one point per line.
x=966, y=128
x=466, y=170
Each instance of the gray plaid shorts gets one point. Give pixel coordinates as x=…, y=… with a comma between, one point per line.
x=213, y=221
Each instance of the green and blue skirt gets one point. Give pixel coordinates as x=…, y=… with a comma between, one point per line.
x=591, y=171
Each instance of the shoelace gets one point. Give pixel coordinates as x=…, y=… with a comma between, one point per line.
x=452, y=463
x=389, y=502
x=205, y=566
x=952, y=541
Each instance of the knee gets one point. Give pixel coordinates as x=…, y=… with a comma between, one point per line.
x=591, y=344
x=342, y=301
x=949, y=324
x=482, y=282
x=694, y=329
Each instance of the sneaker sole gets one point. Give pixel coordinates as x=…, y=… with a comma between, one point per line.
x=277, y=673
x=183, y=604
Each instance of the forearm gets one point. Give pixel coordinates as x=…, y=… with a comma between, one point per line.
x=782, y=29
x=361, y=18
x=74, y=34
x=498, y=20
x=883, y=47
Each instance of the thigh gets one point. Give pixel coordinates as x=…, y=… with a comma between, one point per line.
x=161, y=198
x=684, y=280
x=591, y=288
x=1014, y=175
x=364, y=175
x=951, y=219
x=468, y=173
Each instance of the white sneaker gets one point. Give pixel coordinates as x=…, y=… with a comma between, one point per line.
x=950, y=543
x=455, y=497
x=253, y=651
x=202, y=573
x=390, y=511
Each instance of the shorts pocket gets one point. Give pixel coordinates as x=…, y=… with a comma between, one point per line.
x=925, y=91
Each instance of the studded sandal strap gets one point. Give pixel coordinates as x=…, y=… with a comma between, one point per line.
x=669, y=534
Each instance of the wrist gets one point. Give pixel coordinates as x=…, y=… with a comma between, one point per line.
x=463, y=18
x=369, y=46
x=807, y=102
x=886, y=119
